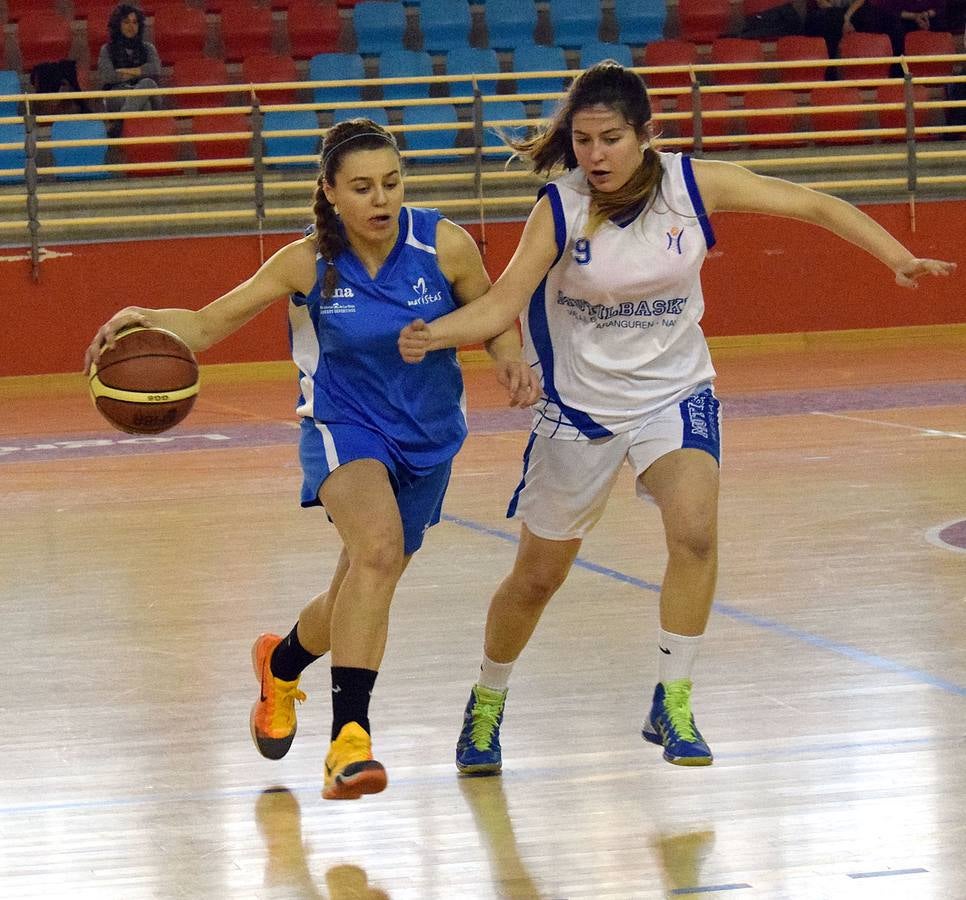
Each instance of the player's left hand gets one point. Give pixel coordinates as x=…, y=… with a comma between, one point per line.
x=522, y=385
x=909, y=274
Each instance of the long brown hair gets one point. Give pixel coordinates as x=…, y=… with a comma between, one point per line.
x=610, y=84
x=340, y=140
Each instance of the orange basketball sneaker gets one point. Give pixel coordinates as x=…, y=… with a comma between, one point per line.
x=350, y=770
x=272, y=719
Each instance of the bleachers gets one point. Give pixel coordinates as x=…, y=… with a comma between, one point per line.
x=221, y=42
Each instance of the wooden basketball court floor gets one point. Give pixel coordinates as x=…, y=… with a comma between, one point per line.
x=832, y=686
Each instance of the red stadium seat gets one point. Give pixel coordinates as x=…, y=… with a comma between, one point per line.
x=715, y=127
x=704, y=20
x=930, y=43
x=795, y=47
x=858, y=44
x=235, y=148
x=17, y=9
x=96, y=13
x=839, y=119
x=728, y=51
x=264, y=68
x=669, y=53
x=312, y=28
x=179, y=31
x=152, y=7
x=245, y=30
x=43, y=36
x=193, y=71
x=896, y=118
x=777, y=123
x=167, y=151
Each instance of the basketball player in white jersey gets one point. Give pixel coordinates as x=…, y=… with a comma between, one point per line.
x=377, y=436
x=607, y=278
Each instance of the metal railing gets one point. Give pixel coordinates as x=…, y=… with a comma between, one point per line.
x=470, y=176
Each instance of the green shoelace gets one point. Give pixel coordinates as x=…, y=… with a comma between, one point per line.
x=677, y=706
x=486, y=714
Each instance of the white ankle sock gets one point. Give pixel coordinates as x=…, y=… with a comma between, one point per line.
x=494, y=675
x=677, y=653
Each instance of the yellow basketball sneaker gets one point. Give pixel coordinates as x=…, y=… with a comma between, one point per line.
x=350, y=770
x=272, y=719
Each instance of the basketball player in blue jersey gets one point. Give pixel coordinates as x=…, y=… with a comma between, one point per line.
x=377, y=436
x=607, y=276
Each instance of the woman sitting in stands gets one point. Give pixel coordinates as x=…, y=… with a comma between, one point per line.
x=895, y=18
x=127, y=62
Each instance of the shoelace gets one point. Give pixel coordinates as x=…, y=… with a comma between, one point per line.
x=485, y=717
x=677, y=705
x=284, y=711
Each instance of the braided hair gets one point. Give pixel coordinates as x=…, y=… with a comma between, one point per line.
x=340, y=140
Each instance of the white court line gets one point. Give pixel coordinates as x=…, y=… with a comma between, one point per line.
x=932, y=431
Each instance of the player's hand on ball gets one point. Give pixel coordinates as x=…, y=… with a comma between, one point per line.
x=414, y=341
x=108, y=332
x=909, y=274
x=522, y=385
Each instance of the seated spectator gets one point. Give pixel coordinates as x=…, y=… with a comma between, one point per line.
x=127, y=61
x=815, y=18
x=895, y=18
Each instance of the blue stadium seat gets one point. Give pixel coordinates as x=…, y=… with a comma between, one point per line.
x=95, y=155
x=539, y=58
x=335, y=67
x=598, y=51
x=399, y=63
x=510, y=22
x=9, y=84
x=379, y=26
x=471, y=61
x=640, y=21
x=14, y=158
x=493, y=144
x=445, y=24
x=442, y=139
x=376, y=113
x=575, y=22
x=293, y=145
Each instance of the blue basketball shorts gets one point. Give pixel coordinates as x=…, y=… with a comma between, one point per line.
x=323, y=448
x=566, y=484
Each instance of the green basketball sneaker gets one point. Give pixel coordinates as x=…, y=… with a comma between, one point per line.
x=671, y=724
x=478, y=748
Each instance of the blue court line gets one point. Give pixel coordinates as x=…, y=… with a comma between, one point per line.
x=887, y=872
x=732, y=612
x=709, y=889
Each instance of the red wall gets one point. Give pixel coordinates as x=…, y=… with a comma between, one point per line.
x=764, y=276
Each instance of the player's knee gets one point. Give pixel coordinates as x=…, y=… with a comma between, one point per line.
x=535, y=587
x=696, y=540
x=381, y=558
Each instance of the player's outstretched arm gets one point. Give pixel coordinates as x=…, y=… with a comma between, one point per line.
x=727, y=187
x=290, y=270
x=498, y=308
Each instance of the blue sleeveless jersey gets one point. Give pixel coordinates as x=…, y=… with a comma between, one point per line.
x=345, y=348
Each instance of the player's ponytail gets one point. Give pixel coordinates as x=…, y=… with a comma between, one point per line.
x=328, y=237
x=340, y=140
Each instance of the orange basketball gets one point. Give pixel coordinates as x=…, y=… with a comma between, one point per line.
x=147, y=383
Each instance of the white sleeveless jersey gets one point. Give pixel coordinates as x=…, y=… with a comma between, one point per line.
x=613, y=330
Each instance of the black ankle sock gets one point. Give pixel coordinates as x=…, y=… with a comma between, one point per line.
x=290, y=657
x=351, y=690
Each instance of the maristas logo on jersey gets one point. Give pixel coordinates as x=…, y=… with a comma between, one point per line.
x=334, y=306
x=423, y=296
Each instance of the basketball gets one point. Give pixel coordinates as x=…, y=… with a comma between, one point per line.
x=147, y=383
